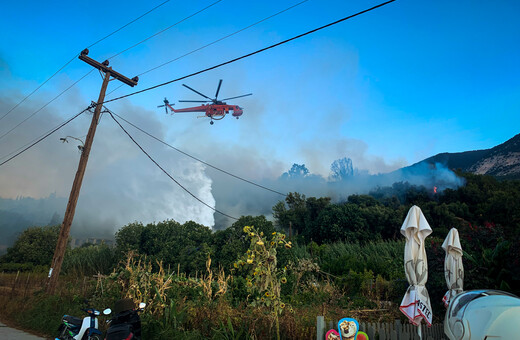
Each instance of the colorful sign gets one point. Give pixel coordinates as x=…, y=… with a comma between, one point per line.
x=348, y=328
x=361, y=336
x=332, y=335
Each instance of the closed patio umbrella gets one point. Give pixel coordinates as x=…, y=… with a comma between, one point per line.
x=416, y=302
x=453, y=269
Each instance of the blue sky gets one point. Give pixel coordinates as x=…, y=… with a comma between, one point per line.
x=387, y=88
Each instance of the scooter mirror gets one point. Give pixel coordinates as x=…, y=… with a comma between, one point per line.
x=107, y=311
x=142, y=305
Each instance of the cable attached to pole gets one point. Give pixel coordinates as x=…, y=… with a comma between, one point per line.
x=75, y=56
x=250, y=54
x=45, y=136
x=214, y=42
x=166, y=173
x=184, y=19
x=167, y=28
x=195, y=158
x=44, y=106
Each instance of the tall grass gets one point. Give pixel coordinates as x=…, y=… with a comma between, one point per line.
x=90, y=260
x=211, y=304
x=26, y=305
x=384, y=258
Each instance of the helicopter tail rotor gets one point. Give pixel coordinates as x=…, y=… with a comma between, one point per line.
x=166, y=105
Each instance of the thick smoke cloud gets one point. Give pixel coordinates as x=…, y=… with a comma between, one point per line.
x=341, y=183
x=121, y=184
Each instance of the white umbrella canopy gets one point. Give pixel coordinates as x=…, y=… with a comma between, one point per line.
x=416, y=302
x=453, y=269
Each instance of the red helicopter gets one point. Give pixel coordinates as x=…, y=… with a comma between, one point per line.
x=218, y=108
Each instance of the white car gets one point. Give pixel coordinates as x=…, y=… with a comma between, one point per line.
x=483, y=315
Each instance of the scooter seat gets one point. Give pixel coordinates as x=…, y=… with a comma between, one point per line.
x=72, y=320
x=117, y=332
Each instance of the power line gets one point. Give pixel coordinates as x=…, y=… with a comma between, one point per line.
x=45, y=136
x=250, y=54
x=110, y=57
x=167, y=174
x=36, y=89
x=131, y=22
x=227, y=36
x=214, y=42
x=167, y=28
x=23, y=146
x=195, y=158
x=68, y=62
x=41, y=108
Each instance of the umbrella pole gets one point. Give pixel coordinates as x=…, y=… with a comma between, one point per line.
x=419, y=331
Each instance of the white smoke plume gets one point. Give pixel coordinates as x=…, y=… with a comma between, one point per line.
x=121, y=184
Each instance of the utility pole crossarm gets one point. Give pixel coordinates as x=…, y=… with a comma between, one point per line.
x=104, y=68
x=63, y=237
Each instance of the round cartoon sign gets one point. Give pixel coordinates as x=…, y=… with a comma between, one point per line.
x=332, y=335
x=361, y=336
x=348, y=328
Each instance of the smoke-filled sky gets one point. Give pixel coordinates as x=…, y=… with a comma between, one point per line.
x=387, y=89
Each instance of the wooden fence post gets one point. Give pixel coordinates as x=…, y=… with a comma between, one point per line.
x=398, y=328
x=371, y=332
x=26, y=284
x=320, y=327
x=14, y=283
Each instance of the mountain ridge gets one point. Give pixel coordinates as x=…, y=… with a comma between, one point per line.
x=501, y=161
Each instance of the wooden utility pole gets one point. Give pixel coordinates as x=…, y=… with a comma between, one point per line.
x=63, y=238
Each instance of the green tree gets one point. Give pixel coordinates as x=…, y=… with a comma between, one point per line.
x=291, y=214
x=341, y=222
x=35, y=245
x=129, y=237
x=184, y=245
x=299, y=214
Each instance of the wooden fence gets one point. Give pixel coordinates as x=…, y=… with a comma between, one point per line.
x=20, y=284
x=385, y=331
x=24, y=283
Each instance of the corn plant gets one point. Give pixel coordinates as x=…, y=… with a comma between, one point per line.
x=264, y=277
x=206, y=282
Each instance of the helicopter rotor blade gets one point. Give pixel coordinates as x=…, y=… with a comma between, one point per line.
x=165, y=107
x=244, y=95
x=218, y=89
x=197, y=92
x=195, y=101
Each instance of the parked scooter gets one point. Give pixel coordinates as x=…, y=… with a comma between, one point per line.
x=73, y=328
x=126, y=323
